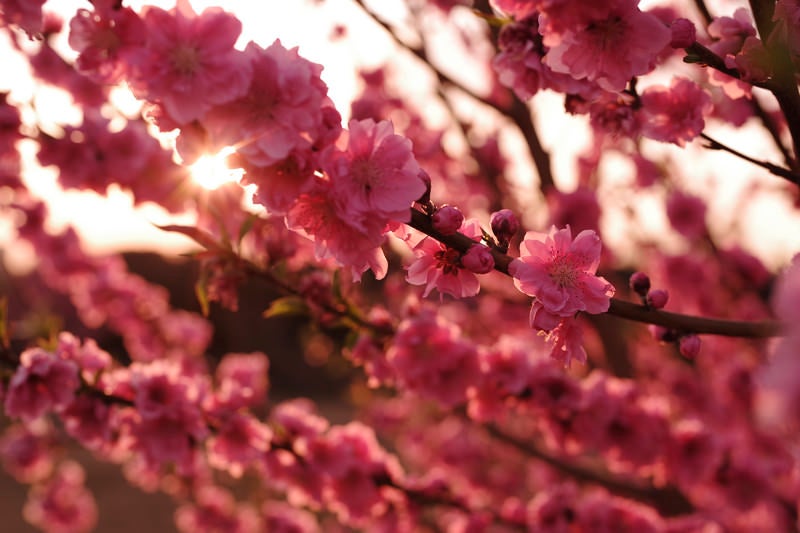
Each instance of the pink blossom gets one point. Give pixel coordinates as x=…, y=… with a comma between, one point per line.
x=103, y=38
x=729, y=33
x=611, y=49
x=439, y=267
x=578, y=209
x=684, y=33
x=478, y=259
x=27, y=14
x=520, y=65
x=284, y=110
x=62, y=504
x=429, y=358
x=376, y=177
x=216, y=510
x=687, y=214
x=567, y=339
x=318, y=215
x=27, y=451
x=447, y=219
x=560, y=272
x=42, y=382
x=239, y=442
x=280, y=517
x=243, y=380
x=189, y=63
x=676, y=113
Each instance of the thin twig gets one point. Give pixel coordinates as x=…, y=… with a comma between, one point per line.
x=773, y=168
x=621, y=308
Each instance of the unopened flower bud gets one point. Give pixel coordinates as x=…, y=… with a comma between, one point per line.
x=684, y=33
x=639, y=282
x=447, y=219
x=478, y=259
x=657, y=298
x=504, y=225
x=689, y=346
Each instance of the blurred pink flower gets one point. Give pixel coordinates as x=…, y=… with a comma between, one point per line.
x=42, y=382
x=676, y=113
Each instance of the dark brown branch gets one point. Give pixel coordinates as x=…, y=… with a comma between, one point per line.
x=621, y=308
x=773, y=168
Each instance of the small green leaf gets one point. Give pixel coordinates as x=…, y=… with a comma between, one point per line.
x=201, y=291
x=287, y=306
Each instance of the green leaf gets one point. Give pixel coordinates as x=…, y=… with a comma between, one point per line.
x=201, y=291
x=287, y=306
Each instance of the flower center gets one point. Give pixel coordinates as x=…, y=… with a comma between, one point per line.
x=562, y=271
x=449, y=260
x=185, y=59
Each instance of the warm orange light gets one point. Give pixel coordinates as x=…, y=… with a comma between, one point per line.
x=211, y=170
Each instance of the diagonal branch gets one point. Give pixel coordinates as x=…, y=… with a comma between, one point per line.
x=621, y=308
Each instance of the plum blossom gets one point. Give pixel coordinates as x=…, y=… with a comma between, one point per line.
x=189, y=63
x=609, y=48
x=62, y=504
x=43, y=382
x=430, y=358
x=376, y=176
x=676, y=113
x=103, y=38
x=439, y=267
x=317, y=215
x=560, y=272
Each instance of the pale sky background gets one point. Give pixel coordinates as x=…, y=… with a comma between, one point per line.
x=109, y=224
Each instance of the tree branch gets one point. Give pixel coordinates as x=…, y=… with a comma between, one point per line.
x=773, y=168
x=621, y=308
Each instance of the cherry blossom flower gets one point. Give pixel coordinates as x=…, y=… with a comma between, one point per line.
x=429, y=358
x=102, y=38
x=610, y=49
x=376, y=176
x=439, y=267
x=189, y=63
x=676, y=113
x=687, y=214
x=43, y=382
x=318, y=215
x=560, y=272
x=62, y=504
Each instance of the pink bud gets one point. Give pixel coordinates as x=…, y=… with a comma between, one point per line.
x=478, y=259
x=689, y=346
x=504, y=225
x=447, y=219
x=657, y=298
x=683, y=33
x=639, y=282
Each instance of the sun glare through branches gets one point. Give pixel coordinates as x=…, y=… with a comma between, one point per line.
x=211, y=171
